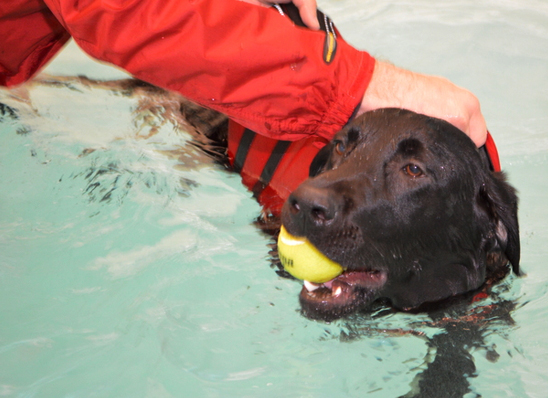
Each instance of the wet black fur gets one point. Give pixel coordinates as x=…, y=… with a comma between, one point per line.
x=435, y=235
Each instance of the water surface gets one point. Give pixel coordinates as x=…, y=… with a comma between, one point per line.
x=131, y=267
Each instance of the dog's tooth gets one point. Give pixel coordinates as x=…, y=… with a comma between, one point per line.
x=337, y=292
x=310, y=286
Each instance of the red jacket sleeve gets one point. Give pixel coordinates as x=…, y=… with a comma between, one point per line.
x=246, y=61
x=30, y=36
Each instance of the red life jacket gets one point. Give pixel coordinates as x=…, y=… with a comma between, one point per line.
x=272, y=169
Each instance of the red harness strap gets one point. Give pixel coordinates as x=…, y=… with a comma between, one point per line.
x=272, y=169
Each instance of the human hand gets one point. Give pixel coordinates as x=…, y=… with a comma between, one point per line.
x=393, y=87
x=307, y=10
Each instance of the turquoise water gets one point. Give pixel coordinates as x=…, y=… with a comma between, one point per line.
x=131, y=267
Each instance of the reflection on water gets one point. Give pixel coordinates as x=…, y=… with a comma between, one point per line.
x=130, y=264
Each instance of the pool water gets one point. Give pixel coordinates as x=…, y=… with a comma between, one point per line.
x=130, y=266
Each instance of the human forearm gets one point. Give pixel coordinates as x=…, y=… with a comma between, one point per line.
x=434, y=96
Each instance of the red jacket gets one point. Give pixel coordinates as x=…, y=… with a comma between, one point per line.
x=246, y=61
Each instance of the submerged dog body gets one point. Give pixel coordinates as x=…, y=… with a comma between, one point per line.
x=408, y=206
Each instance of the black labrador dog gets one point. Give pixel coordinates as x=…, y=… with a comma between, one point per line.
x=409, y=207
x=404, y=202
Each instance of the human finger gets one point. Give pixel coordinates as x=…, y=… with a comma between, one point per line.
x=307, y=11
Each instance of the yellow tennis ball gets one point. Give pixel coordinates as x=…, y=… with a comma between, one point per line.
x=302, y=260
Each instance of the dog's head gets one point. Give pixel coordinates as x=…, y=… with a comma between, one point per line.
x=408, y=206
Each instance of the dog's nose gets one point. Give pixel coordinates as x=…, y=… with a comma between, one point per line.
x=308, y=203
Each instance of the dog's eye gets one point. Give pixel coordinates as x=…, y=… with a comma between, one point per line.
x=413, y=170
x=340, y=148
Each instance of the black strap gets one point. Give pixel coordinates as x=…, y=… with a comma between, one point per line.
x=243, y=149
x=294, y=14
x=270, y=167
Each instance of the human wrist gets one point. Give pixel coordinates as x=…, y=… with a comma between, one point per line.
x=393, y=87
x=386, y=87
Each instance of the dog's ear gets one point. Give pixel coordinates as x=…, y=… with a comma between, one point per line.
x=500, y=201
x=320, y=160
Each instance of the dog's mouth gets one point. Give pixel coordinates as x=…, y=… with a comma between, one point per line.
x=343, y=295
